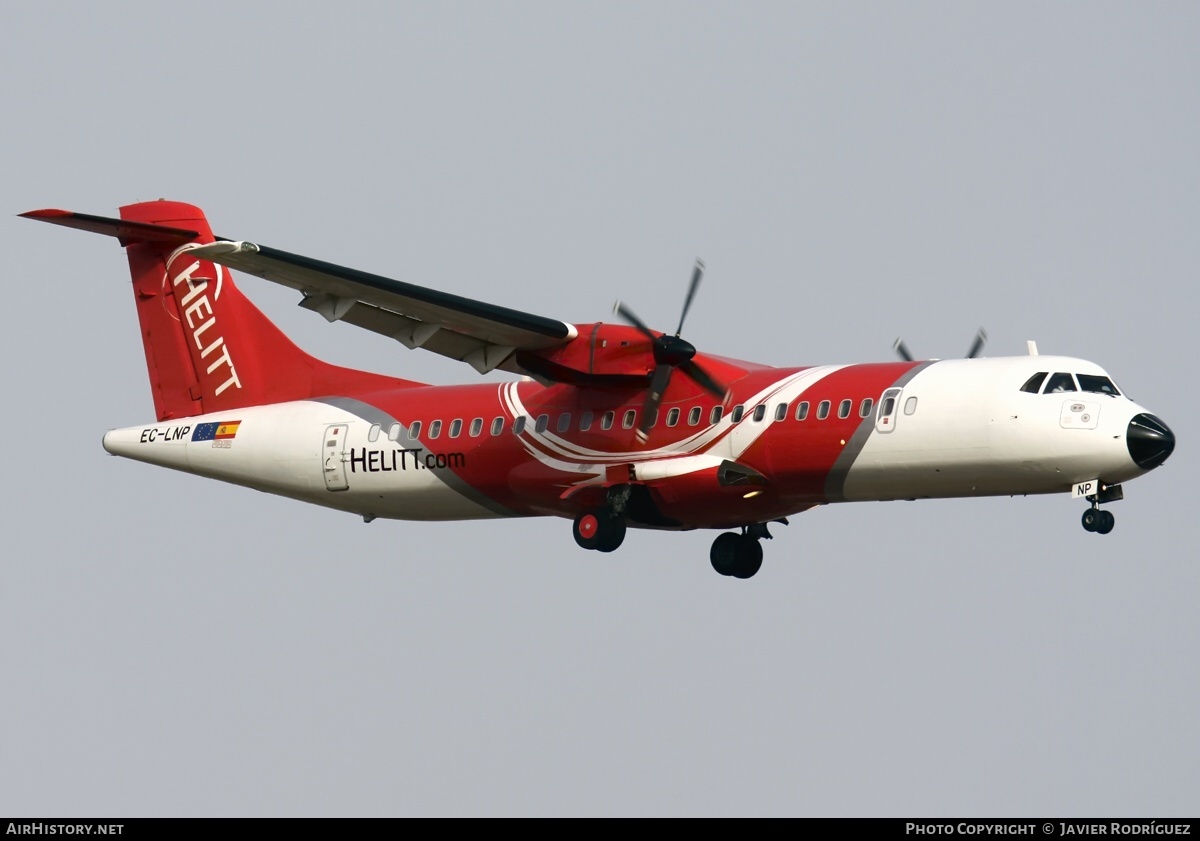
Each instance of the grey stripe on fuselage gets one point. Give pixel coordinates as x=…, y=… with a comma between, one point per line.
x=835, y=482
x=374, y=415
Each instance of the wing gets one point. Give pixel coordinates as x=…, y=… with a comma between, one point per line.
x=483, y=335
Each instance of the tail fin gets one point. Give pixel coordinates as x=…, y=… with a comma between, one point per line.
x=208, y=348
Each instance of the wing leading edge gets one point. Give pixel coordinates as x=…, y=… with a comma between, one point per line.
x=483, y=335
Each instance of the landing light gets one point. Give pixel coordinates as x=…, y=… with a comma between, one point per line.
x=751, y=494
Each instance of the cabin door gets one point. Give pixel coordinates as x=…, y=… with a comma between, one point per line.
x=333, y=457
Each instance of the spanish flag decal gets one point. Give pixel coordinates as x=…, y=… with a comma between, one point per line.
x=216, y=431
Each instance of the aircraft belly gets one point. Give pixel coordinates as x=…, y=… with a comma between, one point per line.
x=278, y=449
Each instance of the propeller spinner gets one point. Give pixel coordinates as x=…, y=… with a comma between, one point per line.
x=670, y=353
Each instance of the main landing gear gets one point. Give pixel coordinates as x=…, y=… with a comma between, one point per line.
x=1094, y=519
x=740, y=555
x=599, y=529
x=735, y=554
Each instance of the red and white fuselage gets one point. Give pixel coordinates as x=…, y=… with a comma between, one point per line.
x=610, y=426
x=955, y=428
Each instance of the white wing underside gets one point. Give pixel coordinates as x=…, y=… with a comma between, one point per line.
x=485, y=336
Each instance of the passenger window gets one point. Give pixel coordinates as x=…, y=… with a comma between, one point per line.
x=435, y=428
x=864, y=408
x=694, y=416
x=672, y=417
x=887, y=407
x=802, y=410
x=1096, y=385
x=519, y=424
x=910, y=405
x=780, y=412
x=1059, y=383
x=1034, y=383
x=628, y=420
x=497, y=426
x=823, y=410
x=564, y=421
x=844, y=408
x=455, y=427
x=476, y=427
x=606, y=422
x=738, y=411
x=394, y=432
x=543, y=421
x=585, y=421
x=651, y=419
x=414, y=430
x=760, y=412
x=373, y=433
x=714, y=417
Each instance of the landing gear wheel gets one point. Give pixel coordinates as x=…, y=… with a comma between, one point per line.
x=598, y=530
x=612, y=534
x=724, y=552
x=1107, y=521
x=587, y=530
x=1091, y=519
x=750, y=557
x=736, y=555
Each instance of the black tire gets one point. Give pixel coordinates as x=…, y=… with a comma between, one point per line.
x=1107, y=521
x=750, y=557
x=724, y=552
x=587, y=529
x=1091, y=519
x=612, y=533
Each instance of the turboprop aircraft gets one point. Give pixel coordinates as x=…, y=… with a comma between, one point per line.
x=609, y=425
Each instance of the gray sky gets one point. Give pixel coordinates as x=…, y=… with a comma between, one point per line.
x=849, y=172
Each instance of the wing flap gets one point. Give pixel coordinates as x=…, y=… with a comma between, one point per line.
x=479, y=354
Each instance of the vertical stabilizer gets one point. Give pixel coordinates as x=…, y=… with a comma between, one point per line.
x=208, y=348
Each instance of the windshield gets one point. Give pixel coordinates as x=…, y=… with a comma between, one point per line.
x=1096, y=385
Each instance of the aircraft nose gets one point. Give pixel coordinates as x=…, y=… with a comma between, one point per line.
x=1150, y=441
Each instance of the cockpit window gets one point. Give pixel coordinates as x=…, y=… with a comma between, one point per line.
x=1034, y=383
x=1060, y=383
x=1096, y=385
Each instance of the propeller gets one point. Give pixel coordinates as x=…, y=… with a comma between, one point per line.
x=976, y=346
x=671, y=353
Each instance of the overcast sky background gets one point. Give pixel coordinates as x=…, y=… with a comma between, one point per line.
x=849, y=172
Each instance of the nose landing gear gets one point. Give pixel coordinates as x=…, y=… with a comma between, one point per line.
x=1096, y=520
x=1101, y=522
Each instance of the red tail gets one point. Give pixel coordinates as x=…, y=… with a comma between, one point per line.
x=208, y=349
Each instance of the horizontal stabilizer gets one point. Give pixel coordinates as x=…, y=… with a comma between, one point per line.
x=125, y=231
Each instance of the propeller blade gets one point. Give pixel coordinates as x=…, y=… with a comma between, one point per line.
x=658, y=386
x=902, y=350
x=703, y=379
x=629, y=315
x=697, y=274
x=977, y=345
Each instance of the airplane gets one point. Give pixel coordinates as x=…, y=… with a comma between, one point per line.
x=608, y=425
